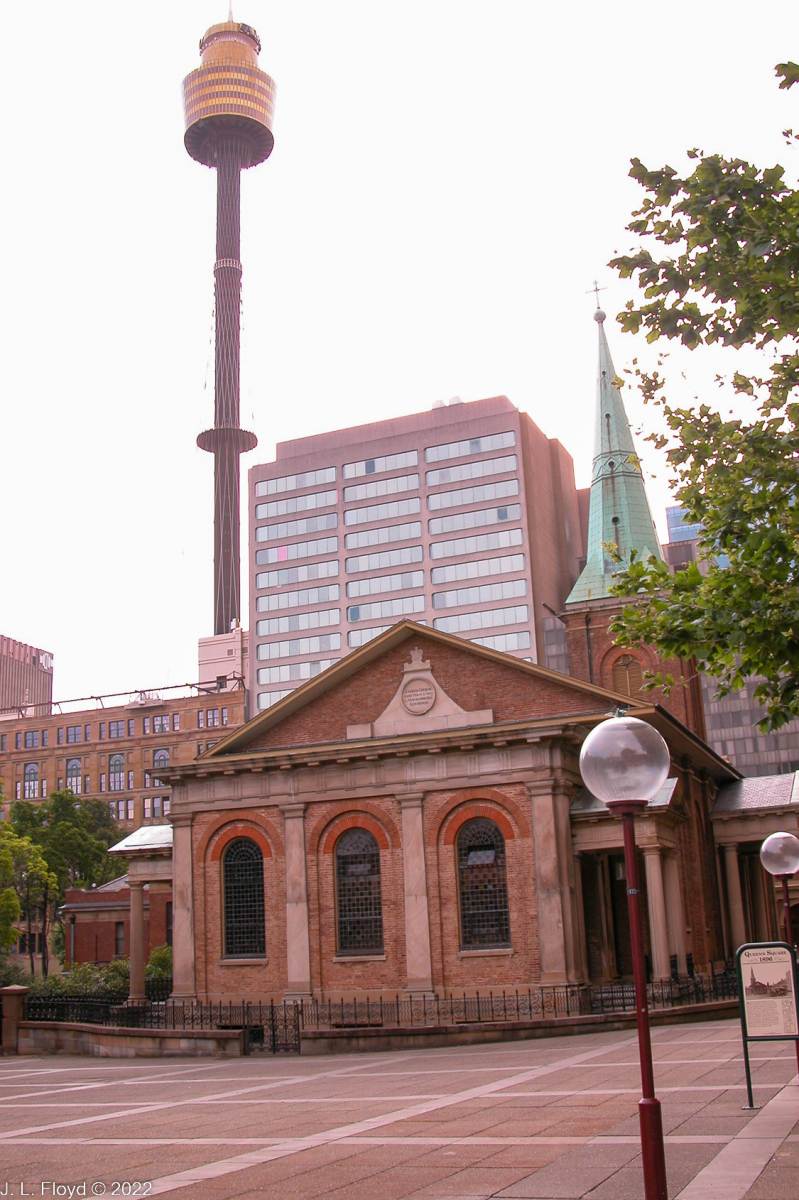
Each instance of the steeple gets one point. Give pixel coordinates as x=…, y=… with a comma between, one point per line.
x=619, y=510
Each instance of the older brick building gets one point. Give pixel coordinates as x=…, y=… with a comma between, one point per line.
x=415, y=819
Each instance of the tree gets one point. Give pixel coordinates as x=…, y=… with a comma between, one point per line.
x=73, y=835
x=729, y=275
x=23, y=872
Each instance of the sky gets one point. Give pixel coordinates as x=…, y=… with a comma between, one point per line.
x=448, y=179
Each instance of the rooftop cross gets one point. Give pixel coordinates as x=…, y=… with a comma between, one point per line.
x=596, y=289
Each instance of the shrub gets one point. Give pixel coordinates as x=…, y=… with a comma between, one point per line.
x=11, y=972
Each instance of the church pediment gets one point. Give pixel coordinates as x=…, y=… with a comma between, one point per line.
x=420, y=704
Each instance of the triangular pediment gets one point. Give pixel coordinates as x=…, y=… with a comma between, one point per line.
x=461, y=685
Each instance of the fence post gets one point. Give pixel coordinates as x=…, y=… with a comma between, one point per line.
x=12, y=1001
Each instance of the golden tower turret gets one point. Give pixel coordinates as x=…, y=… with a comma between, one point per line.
x=228, y=103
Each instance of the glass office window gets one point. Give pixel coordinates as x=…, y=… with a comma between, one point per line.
x=376, y=584
x=505, y=641
x=383, y=512
x=300, y=599
x=401, y=557
x=454, y=522
x=471, y=470
x=292, y=483
x=381, y=487
x=386, y=533
x=296, y=550
x=479, y=445
x=304, y=574
x=474, y=495
x=398, y=607
x=308, y=620
x=375, y=466
x=295, y=504
x=294, y=646
x=477, y=568
x=294, y=672
x=266, y=533
x=462, y=622
x=476, y=545
x=509, y=589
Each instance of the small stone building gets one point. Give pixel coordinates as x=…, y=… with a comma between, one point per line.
x=414, y=820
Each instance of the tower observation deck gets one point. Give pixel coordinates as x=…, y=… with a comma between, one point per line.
x=228, y=104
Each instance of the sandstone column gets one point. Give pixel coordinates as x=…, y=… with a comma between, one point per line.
x=658, y=924
x=184, y=983
x=298, y=938
x=554, y=875
x=734, y=898
x=137, y=940
x=417, y=923
x=675, y=911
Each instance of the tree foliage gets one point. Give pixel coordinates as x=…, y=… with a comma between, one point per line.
x=25, y=883
x=725, y=270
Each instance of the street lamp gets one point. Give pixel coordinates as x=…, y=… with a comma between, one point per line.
x=779, y=854
x=625, y=763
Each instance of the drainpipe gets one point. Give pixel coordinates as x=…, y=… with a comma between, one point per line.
x=588, y=645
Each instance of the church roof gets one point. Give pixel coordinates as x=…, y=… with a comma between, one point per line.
x=619, y=510
x=314, y=722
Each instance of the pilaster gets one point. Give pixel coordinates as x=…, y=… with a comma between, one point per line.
x=298, y=939
x=417, y=922
x=184, y=985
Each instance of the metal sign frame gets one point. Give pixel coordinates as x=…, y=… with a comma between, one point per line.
x=760, y=1037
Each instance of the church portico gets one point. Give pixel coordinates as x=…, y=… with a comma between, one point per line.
x=439, y=839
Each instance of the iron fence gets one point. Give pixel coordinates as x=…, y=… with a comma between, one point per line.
x=276, y=1027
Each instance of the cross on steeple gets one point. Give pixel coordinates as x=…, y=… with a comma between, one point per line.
x=596, y=289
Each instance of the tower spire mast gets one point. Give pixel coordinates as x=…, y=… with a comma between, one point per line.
x=228, y=104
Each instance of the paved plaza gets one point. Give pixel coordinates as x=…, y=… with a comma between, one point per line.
x=537, y=1119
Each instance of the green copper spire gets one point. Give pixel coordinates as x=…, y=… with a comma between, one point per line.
x=619, y=510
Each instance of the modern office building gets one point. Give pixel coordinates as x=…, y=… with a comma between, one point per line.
x=465, y=518
x=732, y=721
x=26, y=675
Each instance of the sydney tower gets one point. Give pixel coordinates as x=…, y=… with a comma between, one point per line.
x=228, y=103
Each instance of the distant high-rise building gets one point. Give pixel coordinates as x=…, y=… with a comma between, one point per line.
x=26, y=675
x=465, y=517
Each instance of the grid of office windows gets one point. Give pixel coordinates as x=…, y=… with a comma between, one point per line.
x=294, y=672
x=374, y=466
x=509, y=589
x=292, y=483
x=515, y=615
x=476, y=545
x=385, y=583
x=385, y=558
x=74, y=733
x=381, y=487
x=471, y=470
x=399, y=607
x=386, y=533
x=478, y=445
x=505, y=641
x=322, y=570
x=477, y=568
x=474, y=519
x=116, y=729
x=309, y=645
x=316, y=619
x=474, y=495
x=295, y=504
x=382, y=512
x=298, y=599
x=296, y=550
x=31, y=739
x=265, y=533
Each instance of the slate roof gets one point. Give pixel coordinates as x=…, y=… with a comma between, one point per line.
x=764, y=791
x=585, y=803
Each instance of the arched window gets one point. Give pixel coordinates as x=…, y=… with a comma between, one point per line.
x=161, y=759
x=73, y=775
x=627, y=675
x=31, y=780
x=243, y=871
x=483, y=886
x=116, y=773
x=359, y=904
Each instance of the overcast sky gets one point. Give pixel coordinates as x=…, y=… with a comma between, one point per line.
x=448, y=178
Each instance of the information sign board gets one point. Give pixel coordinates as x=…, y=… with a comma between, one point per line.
x=767, y=992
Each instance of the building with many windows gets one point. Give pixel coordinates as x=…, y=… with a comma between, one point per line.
x=465, y=518
x=26, y=675
x=113, y=750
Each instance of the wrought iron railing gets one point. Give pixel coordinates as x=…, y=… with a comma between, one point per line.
x=279, y=1026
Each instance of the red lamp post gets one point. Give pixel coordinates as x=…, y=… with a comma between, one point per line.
x=779, y=855
x=625, y=763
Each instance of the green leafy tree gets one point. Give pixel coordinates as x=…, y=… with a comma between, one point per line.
x=73, y=835
x=24, y=872
x=725, y=271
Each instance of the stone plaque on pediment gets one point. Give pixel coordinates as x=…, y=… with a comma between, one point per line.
x=420, y=705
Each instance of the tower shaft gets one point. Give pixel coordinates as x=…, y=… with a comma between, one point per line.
x=228, y=105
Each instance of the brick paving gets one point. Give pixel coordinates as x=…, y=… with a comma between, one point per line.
x=540, y=1120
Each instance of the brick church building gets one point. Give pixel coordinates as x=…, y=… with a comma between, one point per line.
x=414, y=819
